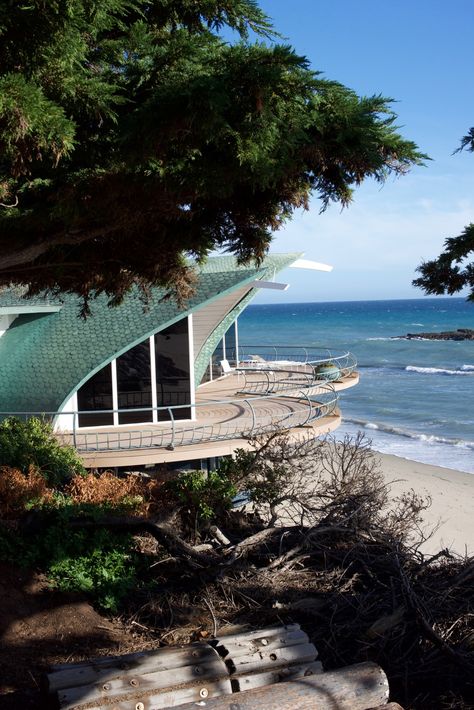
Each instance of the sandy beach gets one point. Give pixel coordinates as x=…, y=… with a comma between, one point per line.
x=452, y=493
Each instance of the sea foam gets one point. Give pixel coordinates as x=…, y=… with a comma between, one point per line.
x=464, y=370
x=398, y=431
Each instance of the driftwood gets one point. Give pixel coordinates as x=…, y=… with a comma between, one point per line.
x=172, y=676
x=249, y=664
x=358, y=687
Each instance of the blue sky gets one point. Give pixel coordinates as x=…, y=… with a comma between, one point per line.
x=421, y=54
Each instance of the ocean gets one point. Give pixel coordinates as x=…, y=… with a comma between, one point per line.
x=416, y=397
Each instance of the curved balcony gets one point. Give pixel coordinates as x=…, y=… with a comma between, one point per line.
x=282, y=366
x=212, y=420
x=218, y=423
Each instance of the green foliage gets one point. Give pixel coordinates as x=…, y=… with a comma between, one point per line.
x=32, y=443
x=262, y=478
x=203, y=496
x=96, y=562
x=451, y=271
x=132, y=122
x=105, y=571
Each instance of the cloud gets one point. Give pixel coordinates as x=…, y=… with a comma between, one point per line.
x=376, y=244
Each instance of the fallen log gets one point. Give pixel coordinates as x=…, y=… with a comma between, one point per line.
x=360, y=687
x=174, y=676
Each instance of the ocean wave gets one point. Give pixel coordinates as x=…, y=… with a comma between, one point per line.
x=397, y=431
x=381, y=338
x=464, y=370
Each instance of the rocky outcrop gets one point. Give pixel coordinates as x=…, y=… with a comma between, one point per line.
x=459, y=334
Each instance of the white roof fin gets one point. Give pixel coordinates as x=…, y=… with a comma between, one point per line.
x=311, y=265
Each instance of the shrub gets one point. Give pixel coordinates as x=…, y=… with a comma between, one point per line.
x=203, y=496
x=20, y=492
x=109, y=491
x=101, y=564
x=32, y=443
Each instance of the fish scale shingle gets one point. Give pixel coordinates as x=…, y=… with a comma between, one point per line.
x=44, y=357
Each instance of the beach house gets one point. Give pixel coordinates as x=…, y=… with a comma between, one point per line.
x=150, y=383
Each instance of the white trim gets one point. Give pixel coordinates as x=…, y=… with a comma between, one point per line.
x=65, y=422
x=310, y=265
x=5, y=322
x=115, y=392
x=274, y=285
x=191, y=365
x=236, y=338
x=20, y=310
x=154, y=391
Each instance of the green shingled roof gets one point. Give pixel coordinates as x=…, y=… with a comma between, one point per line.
x=45, y=357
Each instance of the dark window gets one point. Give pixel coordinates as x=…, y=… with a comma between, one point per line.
x=134, y=384
x=230, y=342
x=172, y=370
x=96, y=394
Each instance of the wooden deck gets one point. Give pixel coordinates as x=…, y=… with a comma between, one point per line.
x=225, y=418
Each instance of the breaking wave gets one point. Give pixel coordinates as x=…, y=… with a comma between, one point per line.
x=397, y=431
x=464, y=370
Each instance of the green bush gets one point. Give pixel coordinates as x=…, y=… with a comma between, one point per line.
x=203, y=496
x=102, y=564
x=32, y=442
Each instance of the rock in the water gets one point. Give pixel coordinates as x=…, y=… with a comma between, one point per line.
x=459, y=334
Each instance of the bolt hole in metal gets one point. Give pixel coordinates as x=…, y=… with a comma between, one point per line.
x=273, y=657
x=203, y=693
x=139, y=706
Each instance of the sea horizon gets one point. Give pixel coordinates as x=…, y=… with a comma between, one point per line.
x=413, y=397
x=369, y=300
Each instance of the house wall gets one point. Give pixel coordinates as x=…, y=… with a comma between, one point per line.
x=5, y=323
x=220, y=329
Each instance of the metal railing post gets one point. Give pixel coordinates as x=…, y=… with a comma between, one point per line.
x=170, y=446
x=74, y=440
x=254, y=417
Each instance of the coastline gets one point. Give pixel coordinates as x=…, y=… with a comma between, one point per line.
x=452, y=494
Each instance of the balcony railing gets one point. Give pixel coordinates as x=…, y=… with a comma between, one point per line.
x=303, y=359
x=212, y=420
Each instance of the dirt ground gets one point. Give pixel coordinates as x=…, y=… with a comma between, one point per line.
x=39, y=627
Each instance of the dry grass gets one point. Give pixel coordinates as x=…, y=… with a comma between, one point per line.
x=19, y=491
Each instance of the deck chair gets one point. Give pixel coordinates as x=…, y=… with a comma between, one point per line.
x=226, y=368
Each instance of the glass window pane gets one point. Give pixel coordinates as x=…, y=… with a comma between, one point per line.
x=96, y=394
x=134, y=384
x=172, y=369
x=230, y=345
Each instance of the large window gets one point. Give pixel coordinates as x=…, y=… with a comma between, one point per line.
x=173, y=383
x=96, y=394
x=155, y=373
x=134, y=384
